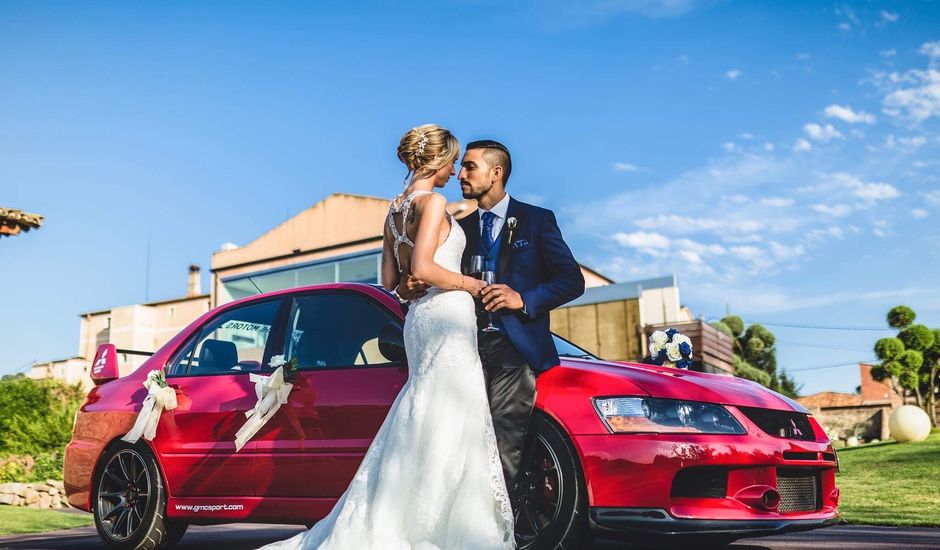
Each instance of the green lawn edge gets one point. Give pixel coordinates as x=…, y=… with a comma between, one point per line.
x=18, y=520
x=891, y=484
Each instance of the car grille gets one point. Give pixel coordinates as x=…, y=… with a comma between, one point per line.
x=799, y=489
x=788, y=425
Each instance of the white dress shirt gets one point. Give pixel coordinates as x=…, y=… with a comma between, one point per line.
x=499, y=210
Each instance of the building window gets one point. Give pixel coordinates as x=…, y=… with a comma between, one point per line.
x=360, y=269
x=172, y=312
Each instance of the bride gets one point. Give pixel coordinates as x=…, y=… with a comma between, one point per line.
x=432, y=479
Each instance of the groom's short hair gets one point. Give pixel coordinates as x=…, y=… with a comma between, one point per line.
x=496, y=154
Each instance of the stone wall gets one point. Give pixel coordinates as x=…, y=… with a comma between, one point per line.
x=48, y=494
x=867, y=422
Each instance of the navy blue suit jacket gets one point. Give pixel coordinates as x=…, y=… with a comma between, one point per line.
x=540, y=267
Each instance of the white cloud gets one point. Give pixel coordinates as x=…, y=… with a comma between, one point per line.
x=933, y=198
x=915, y=141
x=650, y=243
x=730, y=147
x=802, y=145
x=846, y=114
x=778, y=202
x=913, y=95
x=785, y=253
x=821, y=133
x=733, y=74
x=831, y=232
x=931, y=49
x=803, y=56
x=625, y=167
x=889, y=17
x=838, y=210
x=865, y=190
x=845, y=27
x=746, y=135
x=685, y=224
x=768, y=147
x=888, y=53
x=919, y=213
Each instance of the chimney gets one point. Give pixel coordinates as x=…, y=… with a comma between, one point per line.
x=194, y=287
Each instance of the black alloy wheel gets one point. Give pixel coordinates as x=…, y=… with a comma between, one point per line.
x=549, y=499
x=130, y=500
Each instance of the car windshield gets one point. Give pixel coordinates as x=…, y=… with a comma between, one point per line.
x=567, y=349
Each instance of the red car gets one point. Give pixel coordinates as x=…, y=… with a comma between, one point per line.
x=622, y=450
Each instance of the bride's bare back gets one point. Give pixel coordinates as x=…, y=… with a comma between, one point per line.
x=404, y=227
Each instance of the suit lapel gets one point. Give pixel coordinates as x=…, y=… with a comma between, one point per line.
x=505, y=250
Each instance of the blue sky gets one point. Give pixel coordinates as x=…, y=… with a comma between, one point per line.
x=780, y=158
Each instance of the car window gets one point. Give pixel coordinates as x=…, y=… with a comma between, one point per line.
x=567, y=349
x=232, y=342
x=337, y=330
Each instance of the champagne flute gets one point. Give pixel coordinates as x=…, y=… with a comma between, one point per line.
x=489, y=277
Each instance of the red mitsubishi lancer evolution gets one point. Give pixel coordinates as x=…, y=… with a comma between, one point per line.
x=622, y=450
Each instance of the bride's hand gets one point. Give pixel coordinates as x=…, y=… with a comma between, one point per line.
x=476, y=287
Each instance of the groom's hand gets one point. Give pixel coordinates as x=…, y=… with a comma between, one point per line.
x=498, y=296
x=411, y=288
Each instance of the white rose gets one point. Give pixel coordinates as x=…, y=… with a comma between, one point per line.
x=277, y=361
x=655, y=348
x=679, y=338
x=672, y=351
x=659, y=337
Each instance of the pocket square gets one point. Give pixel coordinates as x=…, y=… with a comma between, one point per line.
x=520, y=243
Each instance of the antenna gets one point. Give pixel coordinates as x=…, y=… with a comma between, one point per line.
x=254, y=285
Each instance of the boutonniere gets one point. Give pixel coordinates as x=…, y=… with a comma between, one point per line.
x=511, y=224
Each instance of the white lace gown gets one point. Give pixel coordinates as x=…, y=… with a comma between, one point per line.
x=432, y=478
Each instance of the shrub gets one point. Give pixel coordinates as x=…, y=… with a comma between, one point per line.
x=901, y=316
x=36, y=415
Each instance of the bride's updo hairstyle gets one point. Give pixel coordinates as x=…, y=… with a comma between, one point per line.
x=426, y=149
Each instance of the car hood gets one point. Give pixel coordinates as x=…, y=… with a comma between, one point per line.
x=671, y=383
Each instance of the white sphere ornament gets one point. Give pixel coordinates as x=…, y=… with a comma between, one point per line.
x=909, y=423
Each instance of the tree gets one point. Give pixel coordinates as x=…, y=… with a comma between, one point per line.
x=755, y=355
x=910, y=361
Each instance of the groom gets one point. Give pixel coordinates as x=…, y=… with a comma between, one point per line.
x=535, y=273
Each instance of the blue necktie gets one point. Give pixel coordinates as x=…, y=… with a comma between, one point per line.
x=487, y=234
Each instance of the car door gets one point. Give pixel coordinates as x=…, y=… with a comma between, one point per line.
x=211, y=377
x=343, y=391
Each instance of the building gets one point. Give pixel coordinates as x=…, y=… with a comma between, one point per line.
x=340, y=239
x=13, y=222
x=140, y=327
x=336, y=239
x=863, y=415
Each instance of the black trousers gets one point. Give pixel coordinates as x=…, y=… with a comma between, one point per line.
x=510, y=386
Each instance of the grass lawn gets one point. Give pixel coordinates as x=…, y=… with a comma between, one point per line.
x=15, y=520
x=890, y=483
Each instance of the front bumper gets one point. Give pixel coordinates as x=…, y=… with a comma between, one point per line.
x=655, y=522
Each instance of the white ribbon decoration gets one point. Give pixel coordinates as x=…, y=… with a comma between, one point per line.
x=158, y=399
x=272, y=392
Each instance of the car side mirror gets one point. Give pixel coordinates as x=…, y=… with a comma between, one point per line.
x=392, y=343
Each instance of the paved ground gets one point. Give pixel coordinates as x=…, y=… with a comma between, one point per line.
x=242, y=536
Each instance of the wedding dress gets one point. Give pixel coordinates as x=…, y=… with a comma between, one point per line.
x=432, y=478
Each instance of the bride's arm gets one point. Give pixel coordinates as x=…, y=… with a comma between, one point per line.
x=430, y=212
x=390, y=274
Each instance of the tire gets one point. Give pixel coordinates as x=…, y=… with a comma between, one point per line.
x=129, y=500
x=550, y=502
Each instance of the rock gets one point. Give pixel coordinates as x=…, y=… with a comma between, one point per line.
x=18, y=501
x=12, y=488
x=7, y=499
x=53, y=491
x=45, y=501
x=31, y=497
x=42, y=487
x=33, y=505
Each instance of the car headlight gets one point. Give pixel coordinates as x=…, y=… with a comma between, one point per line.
x=651, y=415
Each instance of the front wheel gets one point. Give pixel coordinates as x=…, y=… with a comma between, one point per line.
x=550, y=499
x=129, y=500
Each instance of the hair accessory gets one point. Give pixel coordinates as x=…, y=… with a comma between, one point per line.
x=422, y=144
